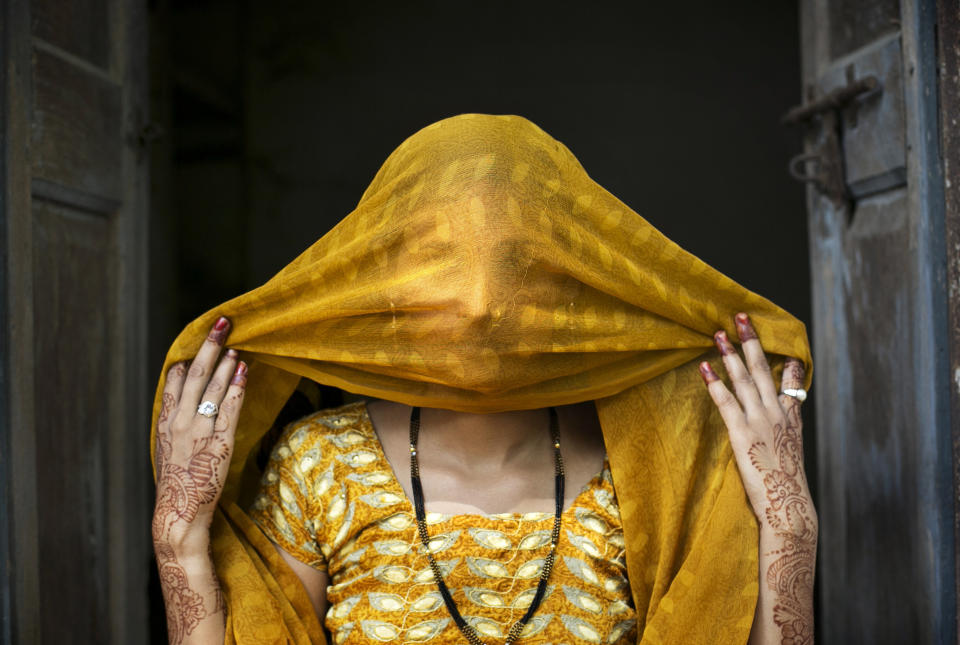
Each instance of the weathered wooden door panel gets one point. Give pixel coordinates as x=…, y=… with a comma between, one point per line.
x=74, y=214
x=72, y=296
x=877, y=255
x=881, y=459
x=76, y=146
x=848, y=25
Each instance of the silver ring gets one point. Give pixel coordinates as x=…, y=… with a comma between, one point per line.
x=799, y=394
x=208, y=409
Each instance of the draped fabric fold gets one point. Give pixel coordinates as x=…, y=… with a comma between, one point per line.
x=483, y=270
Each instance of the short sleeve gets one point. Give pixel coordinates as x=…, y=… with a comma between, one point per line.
x=288, y=507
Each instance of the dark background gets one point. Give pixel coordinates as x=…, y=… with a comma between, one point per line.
x=274, y=117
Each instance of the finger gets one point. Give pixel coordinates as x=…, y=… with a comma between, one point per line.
x=201, y=368
x=747, y=450
x=794, y=376
x=173, y=384
x=172, y=387
x=229, y=413
x=756, y=361
x=217, y=387
x=743, y=383
x=726, y=402
x=217, y=451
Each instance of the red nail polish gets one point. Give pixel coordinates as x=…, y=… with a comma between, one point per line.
x=240, y=375
x=220, y=330
x=706, y=371
x=744, y=329
x=723, y=343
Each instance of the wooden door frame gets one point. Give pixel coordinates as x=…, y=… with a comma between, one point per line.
x=17, y=402
x=926, y=188
x=935, y=437
x=948, y=53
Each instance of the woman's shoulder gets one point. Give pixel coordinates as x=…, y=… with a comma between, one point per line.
x=299, y=486
x=323, y=435
x=333, y=420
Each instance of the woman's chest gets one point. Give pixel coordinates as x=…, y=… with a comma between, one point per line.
x=383, y=586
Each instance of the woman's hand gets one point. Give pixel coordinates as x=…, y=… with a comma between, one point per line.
x=765, y=433
x=193, y=455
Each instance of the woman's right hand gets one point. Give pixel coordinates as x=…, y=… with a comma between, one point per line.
x=193, y=450
x=193, y=456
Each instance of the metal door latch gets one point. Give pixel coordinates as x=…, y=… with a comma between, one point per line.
x=829, y=176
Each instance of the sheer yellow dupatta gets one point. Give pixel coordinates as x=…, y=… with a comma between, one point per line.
x=483, y=270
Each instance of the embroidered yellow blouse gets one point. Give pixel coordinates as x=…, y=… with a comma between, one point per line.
x=329, y=497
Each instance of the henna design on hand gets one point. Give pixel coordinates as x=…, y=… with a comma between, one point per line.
x=789, y=513
x=164, y=449
x=793, y=372
x=220, y=605
x=178, y=500
x=168, y=404
x=774, y=479
x=184, y=606
x=184, y=494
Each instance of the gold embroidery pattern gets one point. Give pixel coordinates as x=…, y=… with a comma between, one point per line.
x=329, y=497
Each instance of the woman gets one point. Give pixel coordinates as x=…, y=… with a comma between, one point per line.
x=487, y=291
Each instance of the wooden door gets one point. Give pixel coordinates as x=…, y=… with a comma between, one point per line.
x=74, y=392
x=886, y=564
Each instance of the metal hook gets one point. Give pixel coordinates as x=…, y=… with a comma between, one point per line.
x=795, y=171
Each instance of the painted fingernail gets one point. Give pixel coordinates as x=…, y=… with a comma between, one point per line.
x=723, y=343
x=706, y=371
x=745, y=330
x=232, y=353
x=240, y=375
x=220, y=330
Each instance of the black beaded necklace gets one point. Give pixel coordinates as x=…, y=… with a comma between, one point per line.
x=465, y=628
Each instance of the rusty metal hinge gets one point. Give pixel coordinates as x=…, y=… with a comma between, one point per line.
x=827, y=157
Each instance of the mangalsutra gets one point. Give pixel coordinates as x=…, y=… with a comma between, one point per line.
x=465, y=628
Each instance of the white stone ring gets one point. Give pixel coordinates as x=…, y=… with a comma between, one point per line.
x=799, y=394
x=208, y=409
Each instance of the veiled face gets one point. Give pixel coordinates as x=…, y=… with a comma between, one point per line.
x=473, y=252
x=483, y=261
x=471, y=248
x=469, y=261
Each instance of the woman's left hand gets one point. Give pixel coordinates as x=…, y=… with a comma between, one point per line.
x=765, y=433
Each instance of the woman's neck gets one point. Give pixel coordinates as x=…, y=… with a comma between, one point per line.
x=485, y=440
x=490, y=463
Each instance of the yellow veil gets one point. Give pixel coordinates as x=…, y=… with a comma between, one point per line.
x=483, y=270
